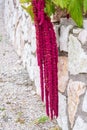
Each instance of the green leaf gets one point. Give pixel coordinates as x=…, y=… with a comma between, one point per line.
x=42, y=119
x=75, y=10
x=62, y=3
x=39, y=120
x=29, y=10
x=50, y=8
x=24, y=1
x=85, y=5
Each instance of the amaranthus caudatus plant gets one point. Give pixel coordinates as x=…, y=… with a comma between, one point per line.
x=47, y=50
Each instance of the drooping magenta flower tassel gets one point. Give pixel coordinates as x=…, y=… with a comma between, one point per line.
x=47, y=56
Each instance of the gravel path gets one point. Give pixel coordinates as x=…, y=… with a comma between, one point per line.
x=20, y=106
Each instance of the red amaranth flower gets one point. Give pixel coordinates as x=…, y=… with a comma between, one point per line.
x=47, y=56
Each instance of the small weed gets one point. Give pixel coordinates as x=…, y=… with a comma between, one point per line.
x=20, y=119
x=8, y=102
x=2, y=109
x=42, y=119
x=39, y=120
x=20, y=114
x=0, y=38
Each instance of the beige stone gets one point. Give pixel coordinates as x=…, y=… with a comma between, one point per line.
x=63, y=73
x=74, y=91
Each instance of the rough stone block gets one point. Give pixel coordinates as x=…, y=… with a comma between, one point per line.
x=83, y=37
x=62, y=119
x=80, y=124
x=56, y=28
x=74, y=91
x=85, y=24
x=63, y=73
x=64, y=34
x=77, y=30
x=84, y=107
x=77, y=57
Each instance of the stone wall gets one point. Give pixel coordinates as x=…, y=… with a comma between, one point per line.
x=72, y=62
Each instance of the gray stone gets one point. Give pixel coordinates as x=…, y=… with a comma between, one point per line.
x=26, y=54
x=30, y=70
x=62, y=119
x=18, y=40
x=1, y=1
x=65, y=21
x=77, y=57
x=15, y=18
x=83, y=36
x=64, y=34
x=37, y=85
x=56, y=28
x=25, y=27
x=33, y=92
x=77, y=30
x=80, y=124
x=37, y=80
x=85, y=24
x=33, y=39
x=84, y=106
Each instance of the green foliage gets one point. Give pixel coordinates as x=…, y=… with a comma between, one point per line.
x=50, y=8
x=62, y=3
x=74, y=7
x=24, y=1
x=40, y=120
x=75, y=10
x=85, y=5
x=29, y=10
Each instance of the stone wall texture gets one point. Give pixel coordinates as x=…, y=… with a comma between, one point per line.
x=72, y=42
